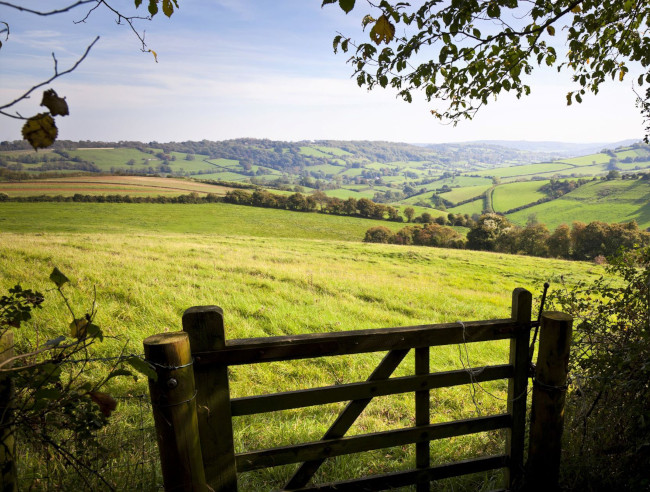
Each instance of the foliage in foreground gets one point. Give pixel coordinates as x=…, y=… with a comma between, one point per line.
x=608, y=418
x=57, y=402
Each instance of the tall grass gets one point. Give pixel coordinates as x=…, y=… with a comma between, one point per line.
x=267, y=285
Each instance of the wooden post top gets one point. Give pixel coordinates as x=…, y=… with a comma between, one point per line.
x=557, y=316
x=166, y=338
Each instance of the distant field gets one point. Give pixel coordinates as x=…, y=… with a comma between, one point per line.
x=510, y=195
x=588, y=160
x=332, y=150
x=607, y=201
x=214, y=218
x=459, y=194
x=475, y=207
x=345, y=193
x=109, y=185
x=527, y=170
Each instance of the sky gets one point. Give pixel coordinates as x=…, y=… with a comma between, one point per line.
x=261, y=69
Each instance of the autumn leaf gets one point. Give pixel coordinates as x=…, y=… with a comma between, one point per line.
x=383, y=30
x=550, y=30
x=78, y=328
x=40, y=131
x=56, y=104
x=106, y=403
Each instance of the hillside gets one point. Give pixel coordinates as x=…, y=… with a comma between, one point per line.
x=459, y=178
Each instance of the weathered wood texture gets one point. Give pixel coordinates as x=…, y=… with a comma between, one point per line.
x=401, y=479
x=8, y=477
x=255, y=460
x=174, y=410
x=256, y=350
x=422, y=417
x=345, y=419
x=549, y=394
x=518, y=387
x=204, y=325
x=345, y=392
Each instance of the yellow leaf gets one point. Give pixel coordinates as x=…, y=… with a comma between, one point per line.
x=621, y=75
x=155, y=55
x=383, y=30
x=576, y=9
x=40, y=131
x=78, y=328
x=56, y=104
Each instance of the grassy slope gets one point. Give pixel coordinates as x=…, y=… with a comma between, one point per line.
x=216, y=218
x=607, y=201
x=511, y=195
x=150, y=263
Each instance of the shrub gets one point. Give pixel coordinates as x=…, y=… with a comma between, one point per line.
x=608, y=403
x=379, y=234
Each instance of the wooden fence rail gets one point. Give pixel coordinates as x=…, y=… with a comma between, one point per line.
x=203, y=437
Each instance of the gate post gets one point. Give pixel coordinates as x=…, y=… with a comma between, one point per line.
x=517, y=387
x=549, y=395
x=204, y=325
x=173, y=398
x=8, y=475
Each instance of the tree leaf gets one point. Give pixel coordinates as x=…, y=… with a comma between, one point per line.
x=40, y=131
x=58, y=277
x=153, y=7
x=155, y=55
x=142, y=367
x=56, y=104
x=138, y=3
x=551, y=30
x=118, y=372
x=168, y=8
x=327, y=2
x=346, y=5
x=383, y=30
x=78, y=328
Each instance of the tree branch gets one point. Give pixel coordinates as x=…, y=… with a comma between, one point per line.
x=51, y=12
x=56, y=75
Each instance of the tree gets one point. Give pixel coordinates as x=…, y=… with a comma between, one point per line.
x=409, y=212
x=40, y=130
x=480, y=49
x=486, y=232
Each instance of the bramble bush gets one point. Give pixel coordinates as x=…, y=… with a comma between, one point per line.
x=608, y=404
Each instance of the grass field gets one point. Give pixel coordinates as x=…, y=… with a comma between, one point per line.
x=109, y=185
x=510, y=195
x=607, y=201
x=529, y=170
x=277, y=273
x=475, y=207
x=465, y=193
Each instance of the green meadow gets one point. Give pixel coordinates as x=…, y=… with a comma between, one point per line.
x=607, y=201
x=275, y=273
x=510, y=195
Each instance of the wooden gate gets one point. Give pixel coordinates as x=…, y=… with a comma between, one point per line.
x=196, y=447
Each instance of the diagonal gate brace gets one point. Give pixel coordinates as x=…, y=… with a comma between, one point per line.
x=347, y=417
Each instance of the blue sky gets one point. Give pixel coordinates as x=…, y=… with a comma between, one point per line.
x=263, y=69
